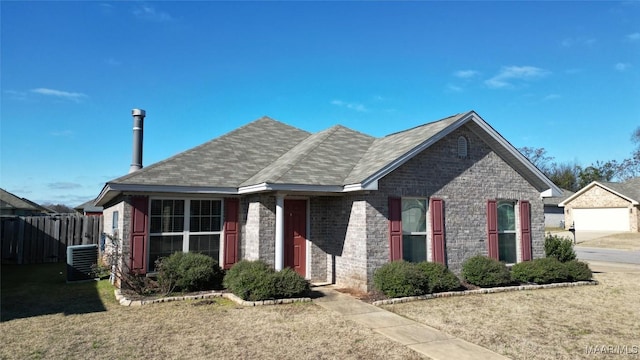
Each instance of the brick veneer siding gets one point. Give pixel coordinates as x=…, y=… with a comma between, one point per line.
x=465, y=185
x=598, y=197
x=258, y=223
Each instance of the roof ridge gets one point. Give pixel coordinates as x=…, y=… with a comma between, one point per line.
x=425, y=124
x=327, y=133
x=223, y=136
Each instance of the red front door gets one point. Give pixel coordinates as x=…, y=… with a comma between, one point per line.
x=295, y=235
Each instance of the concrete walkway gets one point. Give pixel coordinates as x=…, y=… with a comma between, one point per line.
x=419, y=337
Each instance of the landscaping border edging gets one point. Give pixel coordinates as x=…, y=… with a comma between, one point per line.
x=122, y=300
x=482, y=291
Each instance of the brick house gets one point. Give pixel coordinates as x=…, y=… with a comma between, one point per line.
x=605, y=206
x=334, y=205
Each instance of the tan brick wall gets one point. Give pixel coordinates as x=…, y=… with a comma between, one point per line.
x=598, y=197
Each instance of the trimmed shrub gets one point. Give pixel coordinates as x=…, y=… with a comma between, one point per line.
x=485, y=272
x=256, y=281
x=578, y=270
x=439, y=277
x=189, y=272
x=540, y=271
x=289, y=284
x=250, y=280
x=558, y=247
x=400, y=278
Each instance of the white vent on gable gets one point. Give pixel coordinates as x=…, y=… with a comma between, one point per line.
x=463, y=147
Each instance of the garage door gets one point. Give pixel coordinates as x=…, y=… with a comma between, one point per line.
x=610, y=219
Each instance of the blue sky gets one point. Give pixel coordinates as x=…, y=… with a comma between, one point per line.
x=560, y=75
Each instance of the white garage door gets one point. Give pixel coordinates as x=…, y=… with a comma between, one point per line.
x=610, y=219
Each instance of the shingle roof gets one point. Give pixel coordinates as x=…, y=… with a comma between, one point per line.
x=389, y=148
x=555, y=200
x=324, y=158
x=215, y=163
x=266, y=153
x=11, y=201
x=629, y=188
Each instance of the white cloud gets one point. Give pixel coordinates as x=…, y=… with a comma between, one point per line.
x=453, y=88
x=353, y=106
x=16, y=95
x=509, y=74
x=633, y=37
x=551, y=97
x=64, y=185
x=465, y=74
x=147, y=12
x=60, y=94
x=622, y=66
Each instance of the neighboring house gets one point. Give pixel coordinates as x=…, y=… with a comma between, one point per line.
x=554, y=214
x=605, y=206
x=89, y=208
x=11, y=204
x=335, y=205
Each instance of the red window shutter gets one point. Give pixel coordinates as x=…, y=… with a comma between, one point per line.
x=395, y=229
x=139, y=232
x=525, y=230
x=437, y=230
x=231, y=211
x=492, y=228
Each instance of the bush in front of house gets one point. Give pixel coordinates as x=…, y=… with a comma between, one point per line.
x=256, y=281
x=559, y=247
x=540, y=271
x=289, y=284
x=578, y=270
x=189, y=272
x=439, y=277
x=399, y=279
x=485, y=272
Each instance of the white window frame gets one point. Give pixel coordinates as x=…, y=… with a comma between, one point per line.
x=186, y=232
x=426, y=222
x=515, y=226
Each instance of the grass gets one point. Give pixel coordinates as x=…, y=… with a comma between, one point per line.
x=45, y=318
x=621, y=241
x=540, y=324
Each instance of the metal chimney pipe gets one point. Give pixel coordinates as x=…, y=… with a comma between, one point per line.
x=138, y=125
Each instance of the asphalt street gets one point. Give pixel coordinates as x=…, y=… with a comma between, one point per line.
x=608, y=255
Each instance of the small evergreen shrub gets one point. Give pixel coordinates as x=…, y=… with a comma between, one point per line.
x=540, y=271
x=400, y=278
x=189, y=272
x=439, y=277
x=559, y=247
x=289, y=284
x=256, y=281
x=578, y=270
x=485, y=272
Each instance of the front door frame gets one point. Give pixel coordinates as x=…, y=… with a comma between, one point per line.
x=306, y=243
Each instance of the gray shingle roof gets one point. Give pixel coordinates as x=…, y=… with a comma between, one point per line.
x=324, y=158
x=629, y=188
x=555, y=200
x=389, y=148
x=11, y=201
x=226, y=161
x=267, y=153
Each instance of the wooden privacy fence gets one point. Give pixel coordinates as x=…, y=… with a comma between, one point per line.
x=42, y=239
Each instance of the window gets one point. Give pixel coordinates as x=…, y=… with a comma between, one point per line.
x=463, y=147
x=114, y=222
x=414, y=229
x=184, y=225
x=507, y=232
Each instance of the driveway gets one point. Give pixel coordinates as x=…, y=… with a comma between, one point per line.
x=608, y=255
x=582, y=236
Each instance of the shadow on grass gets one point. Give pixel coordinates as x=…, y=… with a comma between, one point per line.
x=41, y=289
